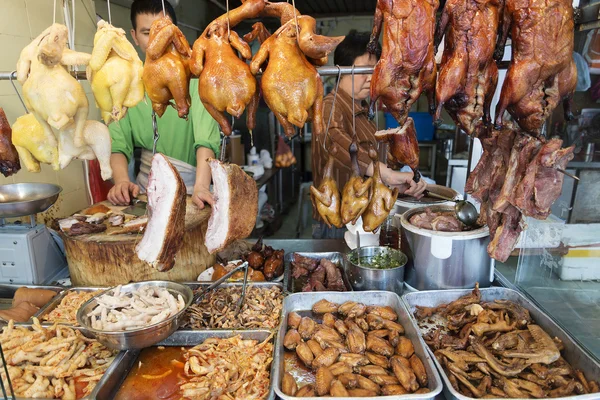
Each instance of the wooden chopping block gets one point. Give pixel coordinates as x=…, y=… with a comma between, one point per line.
x=107, y=260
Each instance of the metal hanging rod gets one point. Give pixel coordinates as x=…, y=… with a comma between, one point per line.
x=325, y=71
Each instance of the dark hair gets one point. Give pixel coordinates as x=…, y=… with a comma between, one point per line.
x=352, y=47
x=151, y=7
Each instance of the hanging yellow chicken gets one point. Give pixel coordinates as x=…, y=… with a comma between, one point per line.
x=115, y=73
x=30, y=140
x=50, y=92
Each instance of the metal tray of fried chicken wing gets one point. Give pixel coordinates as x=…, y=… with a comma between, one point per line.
x=189, y=339
x=303, y=275
x=302, y=303
x=572, y=352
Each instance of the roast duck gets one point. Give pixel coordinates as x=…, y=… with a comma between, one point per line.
x=326, y=198
x=225, y=81
x=382, y=198
x=542, y=71
x=468, y=74
x=166, y=73
x=9, y=158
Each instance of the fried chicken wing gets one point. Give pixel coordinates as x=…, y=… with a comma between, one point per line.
x=542, y=70
x=356, y=193
x=326, y=199
x=468, y=74
x=166, y=73
x=225, y=81
x=382, y=198
x=407, y=64
x=291, y=86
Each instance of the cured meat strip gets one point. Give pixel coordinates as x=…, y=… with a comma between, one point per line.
x=163, y=236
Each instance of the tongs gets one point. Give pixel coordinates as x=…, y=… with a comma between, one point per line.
x=200, y=295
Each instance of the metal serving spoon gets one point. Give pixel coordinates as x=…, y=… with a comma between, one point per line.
x=465, y=210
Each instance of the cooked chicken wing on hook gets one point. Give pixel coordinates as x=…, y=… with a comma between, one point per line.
x=356, y=194
x=326, y=199
x=382, y=198
x=225, y=81
x=166, y=73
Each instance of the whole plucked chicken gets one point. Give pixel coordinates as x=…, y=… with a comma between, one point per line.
x=382, y=198
x=407, y=64
x=50, y=92
x=225, y=81
x=326, y=199
x=30, y=141
x=115, y=72
x=356, y=194
x=468, y=74
x=166, y=72
x=9, y=158
x=291, y=85
x=542, y=71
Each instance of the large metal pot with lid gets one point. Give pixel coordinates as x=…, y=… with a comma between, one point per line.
x=405, y=202
x=445, y=260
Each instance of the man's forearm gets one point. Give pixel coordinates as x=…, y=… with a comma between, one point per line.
x=203, y=176
x=120, y=167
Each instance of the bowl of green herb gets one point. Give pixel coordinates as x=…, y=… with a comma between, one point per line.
x=376, y=268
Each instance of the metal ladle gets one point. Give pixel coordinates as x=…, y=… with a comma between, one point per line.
x=465, y=210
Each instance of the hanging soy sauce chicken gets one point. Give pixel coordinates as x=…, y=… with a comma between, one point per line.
x=468, y=73
x=166, y=73
x=356, y=194
x=290, y=84
x=407, y=64
x=382, y=198
x=326, y=199
x=542, y=71
x=225, y=81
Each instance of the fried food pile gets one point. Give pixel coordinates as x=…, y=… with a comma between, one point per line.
x=357, y=351
x=122, y=311
x=48, y=362
x=261, y=309
x=322, y=275
x=230, y=368
x=66, y=312
x=496, y=349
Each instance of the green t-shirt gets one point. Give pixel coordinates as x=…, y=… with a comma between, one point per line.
x=178, y=138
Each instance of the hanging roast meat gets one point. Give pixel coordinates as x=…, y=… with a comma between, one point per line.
x=403, y=145
x=326, y=198
x=382, y=198
x=468, y=73
x=9, y=158
x=542, y=71
x=356, y=194
x=407, y=64
x=166, y=73
x=225, y=81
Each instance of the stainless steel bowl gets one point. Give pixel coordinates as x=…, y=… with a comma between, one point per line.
x=136, y=338
x=363, y=278
x=20, y=199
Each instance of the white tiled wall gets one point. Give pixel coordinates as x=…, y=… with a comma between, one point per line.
x=20, y=22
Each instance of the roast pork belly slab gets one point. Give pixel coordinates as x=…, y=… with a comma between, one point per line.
x=234, y=213
x=163, y=236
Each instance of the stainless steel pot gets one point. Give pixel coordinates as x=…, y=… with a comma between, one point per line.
x=445, y=260
x=363, y=278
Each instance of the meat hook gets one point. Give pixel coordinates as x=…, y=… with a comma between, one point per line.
x=10, y=77
x=155, y=132
x=337, y=86
x=353, y=101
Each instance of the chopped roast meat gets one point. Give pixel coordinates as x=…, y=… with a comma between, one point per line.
x=234, y=213
x=443, y=221
x=327, y=276
x=423, y=220
x=136, y=225
x=542, y=183
x=308, y=263
x=505, y=237
x=163, y=237
x=84, y=228
x=316, y=281
x=97, y=218
x=333, y=276
x=447, y=223
x=298, y=271
x=116, y=220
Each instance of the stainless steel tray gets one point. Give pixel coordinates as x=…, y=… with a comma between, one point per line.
x=195, y=285
x=7, y=293
x=305, y=301
x=574, y=354
x=56, y=301
x=179, y=338
x=106, y=380
x=292, y=285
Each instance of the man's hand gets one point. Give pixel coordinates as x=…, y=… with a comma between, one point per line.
x=122, y=193
x=202, y=195
x=416, y=189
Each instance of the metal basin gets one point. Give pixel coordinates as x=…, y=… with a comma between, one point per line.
x=21, y=199
x=405, y=203
x=136, y=338
x=363, y=278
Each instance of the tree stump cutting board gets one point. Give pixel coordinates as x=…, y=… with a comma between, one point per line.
x=106, y=260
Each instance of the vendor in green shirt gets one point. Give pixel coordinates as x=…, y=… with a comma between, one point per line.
x=188, y=144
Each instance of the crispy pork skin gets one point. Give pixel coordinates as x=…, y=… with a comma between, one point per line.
x=163, y=237
x=234, y=213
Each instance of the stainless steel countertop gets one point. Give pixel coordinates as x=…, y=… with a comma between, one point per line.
x=308, y=245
